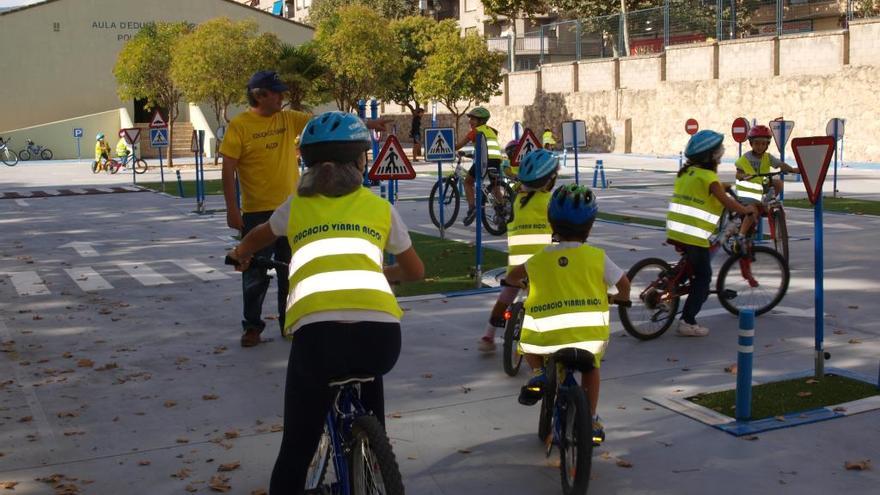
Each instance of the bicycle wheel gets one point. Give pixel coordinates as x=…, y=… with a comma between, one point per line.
x=140, y=166
x=759, y=283
x=654, y=310
x=497, y=213
x=46, y=154
x=24, y=155
x=512, y=357
x=320, y=461
x=113, y=166
x=451, y=203
x=374, y=469
x=780, y=233
x=8, y=157
x=575, y=441
x=548, y=402
x=729, y=226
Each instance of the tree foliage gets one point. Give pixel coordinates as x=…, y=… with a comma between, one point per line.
x=459, y=72
x=513, y=9
x=414, y=35
x=389, y=9
x=361, y=54
x=213, y=63
x=301, y=69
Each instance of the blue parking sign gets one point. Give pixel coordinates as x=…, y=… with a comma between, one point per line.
x=440, y=144
x=77, y=132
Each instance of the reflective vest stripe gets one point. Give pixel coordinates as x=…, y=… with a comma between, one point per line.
x=340, y=280
x=697, y=213
x=597, y=347
x=688, y=229
x=334, y=246
x=750, y=190
x=492, y=147
x=526, y=239
x=566, y=320
x=518, y=259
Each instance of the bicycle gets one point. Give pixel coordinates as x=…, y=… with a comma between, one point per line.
x=760, y=284
x=112, y=165
x=32, y=150
x=7, y=156
x=771, y=208
x=139, y=164
x=108, y=165
x=497, y=198
x=513, y=320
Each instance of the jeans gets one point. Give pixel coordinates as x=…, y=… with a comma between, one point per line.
x=701, y=263
x=320, y=352
x=255, y=282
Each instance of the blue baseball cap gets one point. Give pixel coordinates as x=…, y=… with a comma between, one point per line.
x=267, y=79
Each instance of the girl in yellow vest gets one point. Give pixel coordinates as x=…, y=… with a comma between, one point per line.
x=548, y=140
x=528, y=233
x=568, y=295
x=340, y=309
x=694, y=210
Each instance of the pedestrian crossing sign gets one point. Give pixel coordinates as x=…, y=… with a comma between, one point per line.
x=392, y=163
x=528, y=143
x=439, y=144
x=159, y=138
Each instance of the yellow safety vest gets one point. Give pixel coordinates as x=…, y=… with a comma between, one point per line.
x=336, y=262
x=693, y=212
x=568, y=302
x=547, y=138
x=493, y=148
x=752, y=189
x=121, y=147
x=530, y=231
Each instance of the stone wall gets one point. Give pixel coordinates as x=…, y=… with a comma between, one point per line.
x=747, y=58
x=641, y=72
x=811, y=53
x=691, y=62
x=864, y=42
x=558, y=78
x=597, y=75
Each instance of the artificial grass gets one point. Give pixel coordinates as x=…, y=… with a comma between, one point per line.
x=613, y=217
x=449, y=265
x=790, y=396
x=842, y=205
x=212, y=186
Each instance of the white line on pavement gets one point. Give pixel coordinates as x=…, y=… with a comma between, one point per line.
x=88, y=279
x=200, y=269
x=22, y=202
x=28, y=283
x=143, y=274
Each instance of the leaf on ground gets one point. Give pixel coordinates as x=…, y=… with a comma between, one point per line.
x=464, y=451
x=67, y=355
x=751, y=438
x=8, y=485
x=621, y=407
x=182, y=440
x=85, y=363
x=672, y=360
x=144, y=463
x=233, y=433
x=219, y=483
x=427, y=375
x=70, y=433
x=170, y=403
x=396, y=415
x=624, y=463
x=853, y=306
x=229, y=466
x=730, y=369
x=862, y=465
x=855, y=341
x=220, y=349
x=779, y=418
x=182, y=474
x=839, y=409
x=276, y=428
x=839, y=332
x=605, y=455
x=210, y=397
x=181, y=360
x=804, y=394
x=811, y=381
x=191, y=488
x=25, y=419
x=68, y=414
x=108, y=366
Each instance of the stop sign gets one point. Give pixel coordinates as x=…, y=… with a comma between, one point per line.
x=740, y=130
x=691, y=126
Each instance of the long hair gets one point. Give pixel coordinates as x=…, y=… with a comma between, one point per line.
x=331, y=179
x=530, y=191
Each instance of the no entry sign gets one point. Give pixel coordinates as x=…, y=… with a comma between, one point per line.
x=740, y=130
x=691, y=126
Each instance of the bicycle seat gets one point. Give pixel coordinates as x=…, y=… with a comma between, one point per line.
x=679, y=247
x=572, y=357
x=353, y=378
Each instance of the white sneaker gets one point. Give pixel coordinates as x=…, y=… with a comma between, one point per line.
x=487, y=344
x=687, y=330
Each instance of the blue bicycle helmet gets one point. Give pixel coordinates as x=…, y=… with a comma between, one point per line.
x=333, y=137
x=572, y=205
x=99, y=137
x=701, y=143
x=537, y=167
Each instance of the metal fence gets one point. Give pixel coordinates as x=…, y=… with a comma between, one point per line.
x=676, y=22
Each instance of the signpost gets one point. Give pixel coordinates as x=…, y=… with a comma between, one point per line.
x=813, y=154
x=691, y=126
x=132, y=134
x=78, y=134
x=159, y=140
x=574, y=136
x=781, y=130
x=740, y=132
x=834, y=129
x=480, y=154
x=197, y=146
x=439, y=146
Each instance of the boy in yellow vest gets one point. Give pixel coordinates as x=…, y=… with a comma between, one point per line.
x=568, y=295
x=477, y=119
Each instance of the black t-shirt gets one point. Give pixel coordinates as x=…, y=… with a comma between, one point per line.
x=416, y=126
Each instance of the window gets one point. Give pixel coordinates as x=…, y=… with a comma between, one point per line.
x=470, y=5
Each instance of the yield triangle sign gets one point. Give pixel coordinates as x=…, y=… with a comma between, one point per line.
x=813, y=154
x=392, y=162
x=527, y=143
x=157, y=121
x=132, y=134
x=781, y=130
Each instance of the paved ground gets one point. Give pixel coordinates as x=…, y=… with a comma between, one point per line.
x=121, y=366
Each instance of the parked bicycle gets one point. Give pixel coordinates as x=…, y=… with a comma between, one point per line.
x=755, y=277
x=112, y=166
x=7, y=156
x=771, y=208
x=34, y=150
x=496, y=193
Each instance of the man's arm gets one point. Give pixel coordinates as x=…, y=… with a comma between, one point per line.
x=233, y=214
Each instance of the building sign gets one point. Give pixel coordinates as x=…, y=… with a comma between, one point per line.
x=125, y=29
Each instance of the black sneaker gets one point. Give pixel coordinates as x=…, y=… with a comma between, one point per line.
x=470, y=216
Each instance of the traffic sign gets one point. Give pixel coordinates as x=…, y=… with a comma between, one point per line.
x=527, y=143
x=781, y=130
x=392, y=163
x=195, y=144
x=440, y=143
x=574, y=134
x=157, y=121
x=77, y=132
x=740, y=130
x=159, y=138
x=691, y=126
x=830, y=128
x=131, y=134
x=813, y=154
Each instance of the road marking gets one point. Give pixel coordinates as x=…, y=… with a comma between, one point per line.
x=84, y=249
x=79, y=191
x=22, y=202
x=200, y=269
x=28, y=283
x=143, y=274
x=105, y=189
x=617, y=244
x=88, y=279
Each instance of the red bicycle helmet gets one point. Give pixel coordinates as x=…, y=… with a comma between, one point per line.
x=759, y=131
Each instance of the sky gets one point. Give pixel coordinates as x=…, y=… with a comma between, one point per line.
x=15, y=3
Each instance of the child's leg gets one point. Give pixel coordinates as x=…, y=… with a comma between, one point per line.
x=779, y=185
x=590, y=383
x=496, y=319
x=746, y=226
x=535, y=361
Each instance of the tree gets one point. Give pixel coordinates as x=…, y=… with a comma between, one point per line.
x=360, y=53
x=414, y=35
x=213, y=63
x=512, y=10
x=389, y=9
x=303, y=72
x=143, y=69
x=459, y=72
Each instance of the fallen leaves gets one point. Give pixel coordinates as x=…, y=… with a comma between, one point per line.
x=170, y=403
x=107, y=367
x=8, y=485
x=219, y=483
x=144, y=463
x=863, y=465
x=465, y=451
x=85, y=363
x=210, y=397
x=624, y=463
x=855, y=341
x=229, y=466
x=25, y=419
x=730, y=369
x=67, y=414
x=804, y=394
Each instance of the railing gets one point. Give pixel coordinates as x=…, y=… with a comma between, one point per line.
x=676, y=22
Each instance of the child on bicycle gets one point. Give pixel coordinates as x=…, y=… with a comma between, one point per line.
x=477, y=118
x=341, y=311
x=750, y=189
x=568, y=295
x=102, y=151
x=548, y=140
x=528, y=233
x=694, y=211
x=122, y=149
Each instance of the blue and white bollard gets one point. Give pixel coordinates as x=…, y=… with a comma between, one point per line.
x=598, y=172
x=745, y=352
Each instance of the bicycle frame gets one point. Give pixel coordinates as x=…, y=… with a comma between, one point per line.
x=346, y=408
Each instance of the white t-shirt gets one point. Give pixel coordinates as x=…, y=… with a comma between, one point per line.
x=612, y=271
x=398, y=242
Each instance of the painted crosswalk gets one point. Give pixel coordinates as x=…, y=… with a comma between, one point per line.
x=88, y=279
x=27, y=283
x=143, y=274
x=45, y=193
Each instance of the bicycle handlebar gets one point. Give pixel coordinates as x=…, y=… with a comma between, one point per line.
x=258, y=261
x=611, y=300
